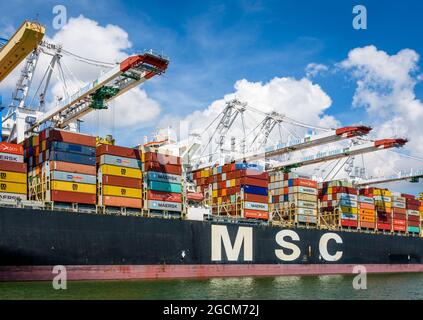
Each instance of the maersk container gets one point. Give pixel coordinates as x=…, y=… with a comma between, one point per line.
x=365, y=199
x=164, y=186
x=11, y=157
x=163, y=205
x=70, y=157
x=121, y=161
x=73, y=148
x=163, y=177
x=73, y=177
x=256, y=206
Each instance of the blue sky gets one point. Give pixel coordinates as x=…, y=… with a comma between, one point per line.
x=213, y=44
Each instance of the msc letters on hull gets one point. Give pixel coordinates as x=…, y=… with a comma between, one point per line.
x=285, y=239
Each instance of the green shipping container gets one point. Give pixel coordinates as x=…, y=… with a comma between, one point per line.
x=414, y=229
x=164, y=186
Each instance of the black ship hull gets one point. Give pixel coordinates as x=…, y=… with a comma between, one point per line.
x=94, y=246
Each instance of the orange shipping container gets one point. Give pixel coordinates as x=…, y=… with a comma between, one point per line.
x=72, y=167
x=367, y=212
x=256, y=214
x=114, y=201
x=367, y=206
x=11, y=148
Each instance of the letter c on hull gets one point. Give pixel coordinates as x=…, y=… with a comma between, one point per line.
x=323, y=247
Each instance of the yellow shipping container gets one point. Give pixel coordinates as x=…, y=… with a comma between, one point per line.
x=43, y=145
x=122, y=192
x=351, y=210
x=214, y=193
x=142, y=157
x=383, y=204
x=11, y=187
x=120, y=171
x=73, y=187
x=13, y=176
x=380, y=192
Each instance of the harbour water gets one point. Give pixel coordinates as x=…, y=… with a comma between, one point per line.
x=391, y=286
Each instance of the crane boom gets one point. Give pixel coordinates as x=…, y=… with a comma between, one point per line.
x=342, y=153
x=309, y=142
x=128, y=74
x=411, y=175
x=22, y=43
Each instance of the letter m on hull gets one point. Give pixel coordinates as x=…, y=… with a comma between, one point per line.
x=243, y=239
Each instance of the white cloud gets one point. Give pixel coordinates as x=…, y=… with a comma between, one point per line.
x=313, y=69
x=298, y=99
x=385, y=87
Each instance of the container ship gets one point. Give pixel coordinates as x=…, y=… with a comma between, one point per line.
x=106, y=211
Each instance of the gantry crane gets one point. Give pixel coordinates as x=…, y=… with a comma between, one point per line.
x=19, y=46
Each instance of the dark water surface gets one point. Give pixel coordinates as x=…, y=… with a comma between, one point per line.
x=392, y=286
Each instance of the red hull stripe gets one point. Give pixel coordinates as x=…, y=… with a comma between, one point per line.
x=123, y=272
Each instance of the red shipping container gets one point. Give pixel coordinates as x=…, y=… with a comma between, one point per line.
x=256, y=214
x=413, y=223
x=413, y=207
x=162, y=158
x=256, y=198
x=367, y=206
x=253, y=182
x=413, y=218
x=164, y=196
x=13, y=166
x=169, y=168
x=399, y=222
x=72, y=167
x=118, y=151
x=113, y=201
x=349, y=223
x=305, y=183
x=369, y=225
x=399, y=228
x=384, y=226
x=122, y=182
x=399, y=210
x=407, y=196
x=11, y=148
x=399, y=216
x=344, y=190
x=71, y=137
x=73, y=197
x=253, y=174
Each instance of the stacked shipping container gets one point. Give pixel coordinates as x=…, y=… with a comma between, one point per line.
x=399, y=216
x=119, y=174
x=61, y=167
x=383, y=206
x=340, y=200
x=366, y=212
x=294, y=196
x=237, y=189
x=163, y=182
x=413, y=214
x=13, y=172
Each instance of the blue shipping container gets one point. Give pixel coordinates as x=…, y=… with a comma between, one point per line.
x=71, y=157
x=73, y=148
x=255, y=190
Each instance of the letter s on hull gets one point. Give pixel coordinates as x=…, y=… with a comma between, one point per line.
x=323, y=247
x=287, y=245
